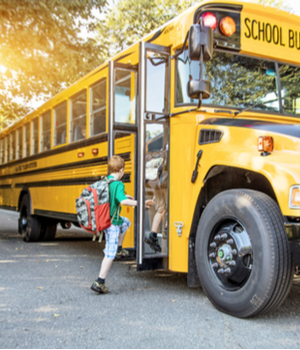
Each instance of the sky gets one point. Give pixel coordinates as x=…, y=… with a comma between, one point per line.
x=295, y=5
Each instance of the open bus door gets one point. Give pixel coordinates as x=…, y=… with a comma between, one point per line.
x=153, y=155
x=123, y=132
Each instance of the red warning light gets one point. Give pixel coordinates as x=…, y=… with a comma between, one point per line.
x=209, y=20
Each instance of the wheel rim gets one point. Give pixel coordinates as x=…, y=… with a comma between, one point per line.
x=24, y=220
x=230, y=254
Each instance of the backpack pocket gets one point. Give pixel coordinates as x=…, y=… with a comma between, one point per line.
x=84, y=213
x=102, y=216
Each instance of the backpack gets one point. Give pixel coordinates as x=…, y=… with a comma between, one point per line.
x=93, y=211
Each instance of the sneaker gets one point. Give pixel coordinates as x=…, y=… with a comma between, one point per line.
x=153, y=243
x=99, y=287
x=122, y=254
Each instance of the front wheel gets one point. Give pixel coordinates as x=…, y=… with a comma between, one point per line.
x=242, y=253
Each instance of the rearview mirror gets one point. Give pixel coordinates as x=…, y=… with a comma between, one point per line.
x=200, y=37
x=197, y=87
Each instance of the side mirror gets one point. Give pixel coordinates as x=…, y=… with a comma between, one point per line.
x=197, y=87
x=200, y=38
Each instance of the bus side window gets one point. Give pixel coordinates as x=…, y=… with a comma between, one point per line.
x=19, y=144
x=78, y=117
x=34, y=137
x=98, y=108
x=1, y=152
x=13, y=145
x=26, y=145
x=6, y=149
x=60, y=124
x=46, y=131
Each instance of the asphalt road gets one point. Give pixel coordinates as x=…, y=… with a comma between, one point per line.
x=46, y=302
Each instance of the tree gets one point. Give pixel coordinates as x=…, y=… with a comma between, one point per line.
x=42, y=51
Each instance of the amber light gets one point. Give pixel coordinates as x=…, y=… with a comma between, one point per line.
x=209, y=20
x=95, y=151
x=265, y=144
x=295, y=197
x=80, y=154
x=227, y=26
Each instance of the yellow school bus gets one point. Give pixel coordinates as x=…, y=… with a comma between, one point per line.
x=205, y=112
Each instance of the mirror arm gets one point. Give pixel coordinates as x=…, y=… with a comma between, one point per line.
x=201, y=65
x=183, y=46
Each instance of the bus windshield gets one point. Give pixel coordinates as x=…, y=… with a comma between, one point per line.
x=242, y=82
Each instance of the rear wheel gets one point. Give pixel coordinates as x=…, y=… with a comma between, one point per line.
x=30, y=226
x=48, y=230
x=242, y=253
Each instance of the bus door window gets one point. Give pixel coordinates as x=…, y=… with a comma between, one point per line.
x=98, y=108
x=290, y=89
x=156, y=187
x=34, y=133
x=157, y=90
x=26, y=150
x=60, y=124
x=13, y=145
x=19, y=144
x=78, y=117
x=46, y=131
x=125, y=102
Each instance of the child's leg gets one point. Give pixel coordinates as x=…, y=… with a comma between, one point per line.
x=110, y=251
x=123, y=230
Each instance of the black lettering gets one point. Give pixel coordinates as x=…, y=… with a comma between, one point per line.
x=275, y=35
x=268, y=37
x=252, y=27
x=249, y=30
x=297, y=36
x=281, y=43
x=261, y=31
x=291, y=38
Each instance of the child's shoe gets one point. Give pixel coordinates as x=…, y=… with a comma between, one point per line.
x=153, y=242
x=99, y=287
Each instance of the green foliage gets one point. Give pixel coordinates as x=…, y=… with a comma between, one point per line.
x=41, y=47
x=127, y=21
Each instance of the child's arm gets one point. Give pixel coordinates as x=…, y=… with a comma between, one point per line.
x=133, y=203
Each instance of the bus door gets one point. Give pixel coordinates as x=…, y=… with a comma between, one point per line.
x=123, y=132
x=153, y=157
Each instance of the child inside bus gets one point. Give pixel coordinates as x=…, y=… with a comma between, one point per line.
x=115, y=234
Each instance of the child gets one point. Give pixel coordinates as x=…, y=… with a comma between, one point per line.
x=115, y=234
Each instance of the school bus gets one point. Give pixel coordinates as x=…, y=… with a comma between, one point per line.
x=216, y=90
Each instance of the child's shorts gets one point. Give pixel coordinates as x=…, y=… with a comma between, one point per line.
x=112, y=237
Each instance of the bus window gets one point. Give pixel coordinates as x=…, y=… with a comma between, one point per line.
x=13, y=145
x=34, y=133
x=19, y=144
x=1, y=151
x=236, y=81
x=78, y=117
x=157, y=75
x=46, y=131
x=60, y=124
x=124, y=97
x=6, y=149
x=26, y=150
x=98, y=108
x=290, y=89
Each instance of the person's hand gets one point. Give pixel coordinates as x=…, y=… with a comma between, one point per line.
x=149, y=203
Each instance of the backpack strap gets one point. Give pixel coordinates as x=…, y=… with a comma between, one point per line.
x=109, y=181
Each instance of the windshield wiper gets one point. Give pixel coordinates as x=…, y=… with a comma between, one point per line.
x=260, y=103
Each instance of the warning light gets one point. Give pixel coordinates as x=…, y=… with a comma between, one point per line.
x=80, y=154
x=95, y=151
x=227, y=26
x=209, y=20
x=265, y=144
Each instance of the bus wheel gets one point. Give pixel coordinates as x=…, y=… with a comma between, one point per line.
x=30, y=225
x=242, y=253
x=48, y=231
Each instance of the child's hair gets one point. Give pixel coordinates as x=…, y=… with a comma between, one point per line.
x=115, y=164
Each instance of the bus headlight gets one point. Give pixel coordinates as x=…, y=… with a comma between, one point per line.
x=294, y=201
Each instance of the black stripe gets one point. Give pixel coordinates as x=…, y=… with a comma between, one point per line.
x=284, y=129
x=67, y=182
x=63, y=149
x=68, y=166
x=3, y=187
x=56, y=215
x=156, y=35
x=7, y=207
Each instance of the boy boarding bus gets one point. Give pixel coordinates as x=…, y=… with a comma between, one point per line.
x=217, y=92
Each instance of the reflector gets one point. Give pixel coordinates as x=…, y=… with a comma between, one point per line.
x=265, y=144
x=227, y=26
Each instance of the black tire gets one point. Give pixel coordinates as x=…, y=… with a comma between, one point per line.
x=30, y=226
x=48, y=231
x=249, y=271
